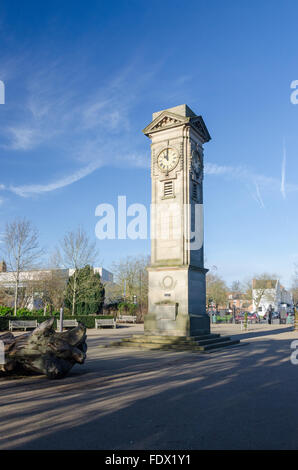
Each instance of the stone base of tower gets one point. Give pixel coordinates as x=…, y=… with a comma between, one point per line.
x=177, y=302
x=177, y=318
x=183, y=325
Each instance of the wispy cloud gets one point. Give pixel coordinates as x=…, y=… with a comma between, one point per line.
x=88, y=126
x=130, y=160
x=239, y=173
x=214, y=169
x=256, y=181
x=91, y=127
x=21, y=138
x=57, y=104
x=258, y=196
x=28, y=190
x=236, y=172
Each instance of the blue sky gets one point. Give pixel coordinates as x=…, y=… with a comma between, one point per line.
x=83, y=79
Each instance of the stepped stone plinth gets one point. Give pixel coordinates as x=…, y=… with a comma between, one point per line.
x=203, y=343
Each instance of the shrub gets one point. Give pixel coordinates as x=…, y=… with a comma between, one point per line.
x=3, y=323
x=132, y=309
x=24, y=312
x=5, y=310
x=127, y=307
x=225, y=319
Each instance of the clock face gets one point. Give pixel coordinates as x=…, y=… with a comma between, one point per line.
x=167, y=159
x=196, y=162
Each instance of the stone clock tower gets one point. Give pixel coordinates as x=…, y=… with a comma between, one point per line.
x=177, y=284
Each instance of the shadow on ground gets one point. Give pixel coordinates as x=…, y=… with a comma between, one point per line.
x=242, y=398
x=259, y=334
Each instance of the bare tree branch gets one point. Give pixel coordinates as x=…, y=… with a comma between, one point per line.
x=21, y=250
x=75, y=252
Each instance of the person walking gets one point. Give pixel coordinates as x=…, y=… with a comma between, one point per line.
x=270, y=315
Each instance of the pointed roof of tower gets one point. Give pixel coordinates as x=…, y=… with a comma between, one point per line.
x=177, y=116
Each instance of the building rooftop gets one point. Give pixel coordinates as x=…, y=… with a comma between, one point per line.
x=264, y=283
x=181, y=110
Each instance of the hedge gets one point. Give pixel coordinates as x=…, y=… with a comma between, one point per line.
x=22, y=312
x=87, y=320
x=225, y=319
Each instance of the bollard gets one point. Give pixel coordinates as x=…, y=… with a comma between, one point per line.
x=2, y=353
x=245, y=320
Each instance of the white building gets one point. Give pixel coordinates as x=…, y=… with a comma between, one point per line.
x=7, y=279
x=105, y=275
x=270, y=294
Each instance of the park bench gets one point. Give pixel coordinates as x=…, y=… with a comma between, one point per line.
x=127, y=318
x=67, y=324
x=22, y=324
x=100, y=322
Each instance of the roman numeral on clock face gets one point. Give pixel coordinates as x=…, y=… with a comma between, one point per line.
x=167, y=159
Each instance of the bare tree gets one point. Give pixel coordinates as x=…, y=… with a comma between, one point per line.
x=75, y=252
x=236, y=288
x=113, y=292
x=49, y=287
x=21, y=250
x=131, y=279
x=6, y=296
x=216, y=289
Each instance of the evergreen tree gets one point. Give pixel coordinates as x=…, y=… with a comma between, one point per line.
x=90, y=292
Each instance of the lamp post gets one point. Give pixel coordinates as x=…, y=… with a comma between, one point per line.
x=61, y=318
x=270, y=314
x=234, y=313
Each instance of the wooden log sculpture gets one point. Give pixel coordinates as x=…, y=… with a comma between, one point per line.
x=44, y=351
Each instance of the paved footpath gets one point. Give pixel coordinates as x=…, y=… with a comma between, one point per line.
x=238, y=398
